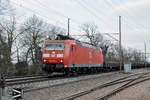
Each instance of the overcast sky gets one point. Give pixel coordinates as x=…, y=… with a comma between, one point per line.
x=104, y=13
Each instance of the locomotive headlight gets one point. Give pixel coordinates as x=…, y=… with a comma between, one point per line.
x=46, y=55
x=60, y=55
x=45, y=60
x=60, y=61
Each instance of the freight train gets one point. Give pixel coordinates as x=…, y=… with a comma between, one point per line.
x=70, y=56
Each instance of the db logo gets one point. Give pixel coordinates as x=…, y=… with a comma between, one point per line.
x=53, y=55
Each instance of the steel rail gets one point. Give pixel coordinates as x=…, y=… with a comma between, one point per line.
x=29, y=78
x=24, y=78
x=120, y=80
x=113, y=82
x=15, y=77
x=27, y=81
x=129, y=84
x=33, y=89
x=37, y=77
x=114, y=91
x=34, y=80
x=94, y=89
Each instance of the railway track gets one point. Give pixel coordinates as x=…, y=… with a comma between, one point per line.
x=17, y=81
x=37, y=78
x=29, y=84
x=69, y=80
x=125, y=83
x=56, y=81
x=128, y=84
x=30, y=79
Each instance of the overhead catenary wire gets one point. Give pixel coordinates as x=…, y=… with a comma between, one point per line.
x=130, y=23
x=76, y=30
x=130, y=16
x=44, y=6
x=73, y=21
x=43, y=16
x=90, y=11
x=95, y=9
x=108, y=2
x=100, y=13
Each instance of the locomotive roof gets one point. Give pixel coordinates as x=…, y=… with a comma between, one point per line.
x=64, y=37
x=85, y=44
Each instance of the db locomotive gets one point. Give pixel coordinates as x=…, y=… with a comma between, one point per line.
x=70, y=56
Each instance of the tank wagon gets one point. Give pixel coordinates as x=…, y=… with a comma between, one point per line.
x=70, y=56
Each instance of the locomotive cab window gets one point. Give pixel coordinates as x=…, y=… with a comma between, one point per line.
x=54, y=46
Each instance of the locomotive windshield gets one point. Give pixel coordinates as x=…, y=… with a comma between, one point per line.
x=54, y=46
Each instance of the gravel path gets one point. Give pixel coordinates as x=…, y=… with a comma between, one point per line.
x=58, y=92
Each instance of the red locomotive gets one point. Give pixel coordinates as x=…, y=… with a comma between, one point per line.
x=70, y=56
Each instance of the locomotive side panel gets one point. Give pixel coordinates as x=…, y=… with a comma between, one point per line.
x=66, y=54
x=81, y=56
x=97, y=57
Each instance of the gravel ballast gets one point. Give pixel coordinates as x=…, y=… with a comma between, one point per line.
x=61, y=91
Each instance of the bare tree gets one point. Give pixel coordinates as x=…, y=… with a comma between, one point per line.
x=113, y=53
x=3, y=46
x=91, y=33
x=9, y=31
x=105, y=45
x=8, y=36
x=133, y=55
x=53, y=31
x=32, y=38
x=129, y=54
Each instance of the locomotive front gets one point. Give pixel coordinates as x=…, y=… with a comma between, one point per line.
x=53, y=56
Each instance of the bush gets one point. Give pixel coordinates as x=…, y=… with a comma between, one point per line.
x=21, y=68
